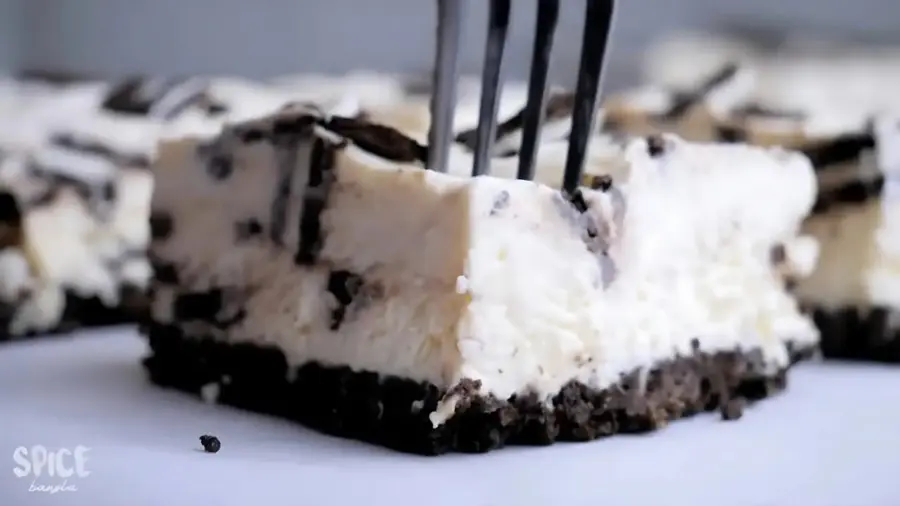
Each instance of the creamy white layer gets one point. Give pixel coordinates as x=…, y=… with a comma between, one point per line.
x=488, y=278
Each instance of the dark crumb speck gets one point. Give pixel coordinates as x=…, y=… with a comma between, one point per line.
x=211, y=444
x=220, y=167
x=161, y=225
x=251, y=135
x=656, y=146
x=216, y=108
x=501, y=201
x=248, y=228
x=602, y=182
x=778, y=254
x=576, y=198
x=733, y=409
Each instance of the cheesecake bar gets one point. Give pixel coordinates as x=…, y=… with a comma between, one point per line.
x=76, y=183
x=76, y=233
x=850, y=290
x=306, y=265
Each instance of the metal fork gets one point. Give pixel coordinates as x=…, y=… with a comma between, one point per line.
x=595, y=39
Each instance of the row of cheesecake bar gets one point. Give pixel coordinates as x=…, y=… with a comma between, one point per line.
x=294, y=256
x=84, y=148
x=838, y=105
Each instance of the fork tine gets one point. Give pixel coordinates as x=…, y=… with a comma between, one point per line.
x=545, y=28
x=446, y=75
x=597, y=24
x=498, y=26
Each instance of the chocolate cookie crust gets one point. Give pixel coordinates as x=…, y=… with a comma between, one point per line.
x=856, y=333
x=393, y=412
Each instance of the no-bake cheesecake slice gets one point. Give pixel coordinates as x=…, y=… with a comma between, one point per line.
x=77, y=190
x=850, y=292
x=307, y=265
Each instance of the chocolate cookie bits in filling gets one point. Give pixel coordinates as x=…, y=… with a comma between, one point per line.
x=328, y=278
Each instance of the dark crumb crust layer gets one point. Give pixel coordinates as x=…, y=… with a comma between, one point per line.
x=393, y=412
x=854, y=333
x=81, y=312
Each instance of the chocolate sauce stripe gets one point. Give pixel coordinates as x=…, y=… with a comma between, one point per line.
x=118, y=158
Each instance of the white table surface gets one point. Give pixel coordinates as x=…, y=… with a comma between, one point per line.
x=832, y=439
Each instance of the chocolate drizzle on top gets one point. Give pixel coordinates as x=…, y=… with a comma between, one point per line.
x=559, y=106
x=684, y=102
x=92, y=148
x=380, y=140
x=138, y=95
x=96, y=195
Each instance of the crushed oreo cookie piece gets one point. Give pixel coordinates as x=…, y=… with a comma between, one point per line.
x=246, y=229
x=220, y=167
x=315, y=200
x=501, y=202
x=380, y=140
x=656, y=146
x=161, y=225
x=211, y=444
x=344, y=286
x=601, y=182
x=733, y=408
x=10, y=212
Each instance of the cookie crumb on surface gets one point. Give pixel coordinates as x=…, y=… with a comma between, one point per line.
x=733, y=409
x=211, y=444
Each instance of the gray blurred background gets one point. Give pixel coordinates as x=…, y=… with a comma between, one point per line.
x=261, y=38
